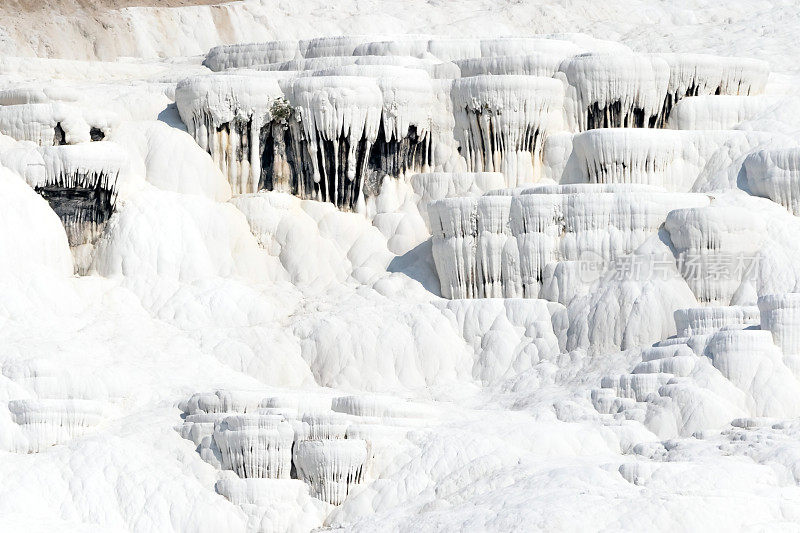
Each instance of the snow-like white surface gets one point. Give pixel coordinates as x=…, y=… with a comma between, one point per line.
x=381, y=266
x=502, y=121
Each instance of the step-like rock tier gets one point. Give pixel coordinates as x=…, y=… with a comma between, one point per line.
x=775, y=174
x=616, y=90
x=717, y=248
x=507, y=105
x=263, y=441
x=720, y=367
x=703, y=320
x=699, y=75
x=332, y=467
x=255, y=445
x=47, y=422
x=502, y=121
x=500, y=246
x=780, y=315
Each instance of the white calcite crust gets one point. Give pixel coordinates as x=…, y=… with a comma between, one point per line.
x=502, y=122
x=223, y=401
x=627, y=155
x=775, y=174
x=331, y=467
x=678, y=160
x=616, y=90
x=501, y=246
x=379, y=407
x=273, y=504
x=704, y=320
x=436, y=269
x=45, y=124
x=719, y=112
x=245, y=55
x=434, y=67
x=255, y=446
x=44, y=423
x=532, y=64
x=511, y=46
x=699, y=74
x=723, y=368
x=716, y=248
x=780, y=315
x=225, y=114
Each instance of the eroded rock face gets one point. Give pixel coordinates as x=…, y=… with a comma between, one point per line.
x=330, y=138
x=80, y=184
x=83, y=201
x=226, y=114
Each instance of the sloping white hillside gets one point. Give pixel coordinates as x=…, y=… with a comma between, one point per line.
x=410, y=267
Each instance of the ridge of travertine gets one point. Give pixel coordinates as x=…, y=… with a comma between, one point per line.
x=414, y=282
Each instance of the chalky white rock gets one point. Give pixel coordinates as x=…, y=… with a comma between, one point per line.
x=282, y=266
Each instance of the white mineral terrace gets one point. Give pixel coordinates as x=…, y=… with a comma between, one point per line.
x=399, y=266
x=499, y=112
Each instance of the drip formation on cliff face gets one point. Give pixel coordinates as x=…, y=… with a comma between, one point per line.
x=421, y=104
x=531, y=247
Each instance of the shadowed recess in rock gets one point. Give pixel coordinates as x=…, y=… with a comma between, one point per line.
x=83, y=200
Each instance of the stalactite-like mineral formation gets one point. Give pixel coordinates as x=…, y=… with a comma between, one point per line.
x=332, y=467
x=502, y=122
x=616, y=91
